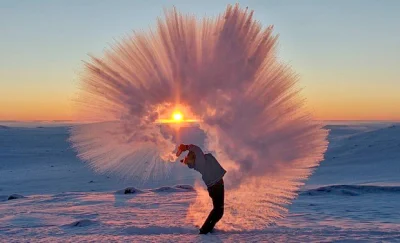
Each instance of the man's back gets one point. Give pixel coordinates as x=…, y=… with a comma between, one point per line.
x=207, y=165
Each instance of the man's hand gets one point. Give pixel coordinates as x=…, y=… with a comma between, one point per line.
x=181, y=148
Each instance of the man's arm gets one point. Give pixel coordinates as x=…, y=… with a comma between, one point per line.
x=186, y=162
x=199, y=155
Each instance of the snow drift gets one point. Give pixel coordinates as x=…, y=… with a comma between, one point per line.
x=351, y=190
x=223, y=72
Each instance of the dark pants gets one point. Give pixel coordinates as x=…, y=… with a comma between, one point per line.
x=216, y=193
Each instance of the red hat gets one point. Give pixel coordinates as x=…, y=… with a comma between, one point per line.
x=181, y=148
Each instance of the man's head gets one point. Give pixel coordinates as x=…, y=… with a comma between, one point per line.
x=181, y=148
x=190, y=158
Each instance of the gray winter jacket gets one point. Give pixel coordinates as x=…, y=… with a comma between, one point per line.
x=207, y=165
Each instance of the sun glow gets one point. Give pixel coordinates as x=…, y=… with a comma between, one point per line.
x=177, y=116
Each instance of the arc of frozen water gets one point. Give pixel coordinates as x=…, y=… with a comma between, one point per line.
x=226, y=72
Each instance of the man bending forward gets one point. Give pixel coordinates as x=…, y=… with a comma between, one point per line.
x=212, y=174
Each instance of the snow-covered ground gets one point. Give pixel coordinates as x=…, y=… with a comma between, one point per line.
x=353, y=195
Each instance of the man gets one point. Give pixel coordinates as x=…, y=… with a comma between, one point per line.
x=212, y=173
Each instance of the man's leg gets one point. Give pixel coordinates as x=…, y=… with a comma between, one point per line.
x=218, y=203
x=216, y=193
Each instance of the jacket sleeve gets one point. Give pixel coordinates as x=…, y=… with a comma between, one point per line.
x=200, y=159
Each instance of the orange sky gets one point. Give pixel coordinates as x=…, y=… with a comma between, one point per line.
x=323, y=109
x=49, y=96
x=350, y=95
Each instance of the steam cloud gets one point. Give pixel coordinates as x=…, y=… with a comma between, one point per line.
x=223, y=71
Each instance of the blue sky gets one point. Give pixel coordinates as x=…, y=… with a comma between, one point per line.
x=344, y=51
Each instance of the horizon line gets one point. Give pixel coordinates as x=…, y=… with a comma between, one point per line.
x=323, y=120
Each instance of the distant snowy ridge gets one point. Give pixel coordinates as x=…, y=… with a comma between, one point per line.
x=129, y=190
x=351, y=190
x=177, y=188
x=10, y=197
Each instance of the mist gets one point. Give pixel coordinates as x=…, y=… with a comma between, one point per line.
x=224, y=72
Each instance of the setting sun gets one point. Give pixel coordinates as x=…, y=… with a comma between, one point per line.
x=180, y=115
x=177, y=116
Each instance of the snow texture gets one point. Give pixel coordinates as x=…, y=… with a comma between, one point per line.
x=82, y=223
x=223, y=72
x=59, y=204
